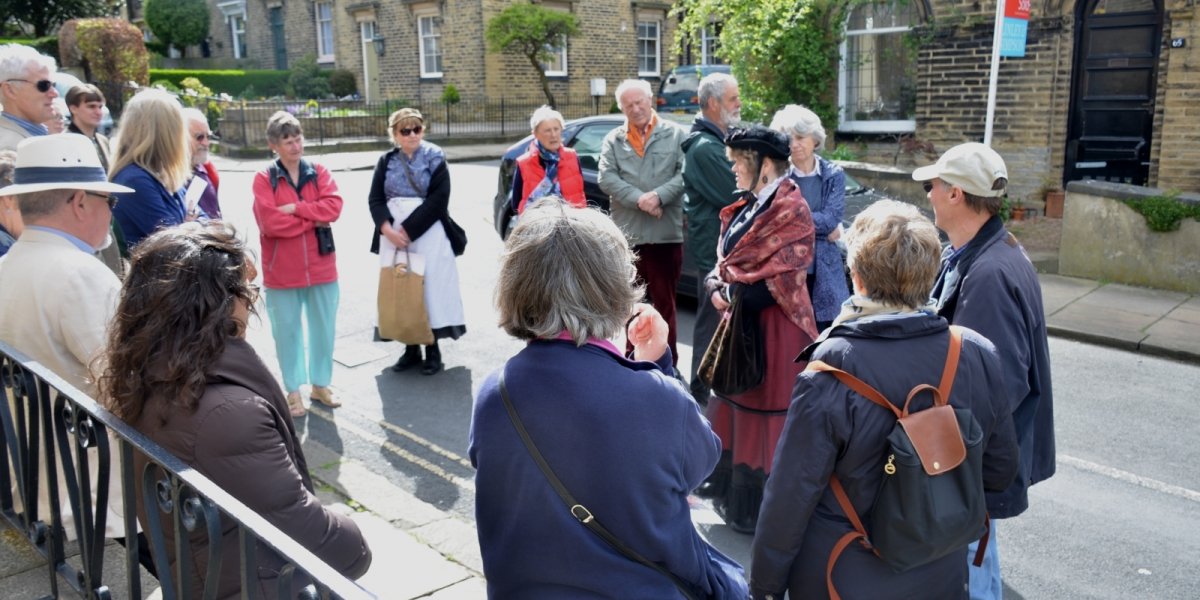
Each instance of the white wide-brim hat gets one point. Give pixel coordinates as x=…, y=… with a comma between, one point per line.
x=63, y=161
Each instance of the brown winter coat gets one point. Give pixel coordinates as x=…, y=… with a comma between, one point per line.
x=241, y=436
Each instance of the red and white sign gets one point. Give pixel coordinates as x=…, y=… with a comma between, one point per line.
x=1017, y=9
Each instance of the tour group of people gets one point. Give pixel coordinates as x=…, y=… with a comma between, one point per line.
x=118, y=273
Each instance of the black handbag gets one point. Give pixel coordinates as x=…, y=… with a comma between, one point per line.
x=735, y=361
x=324, y=240
x=578, y=510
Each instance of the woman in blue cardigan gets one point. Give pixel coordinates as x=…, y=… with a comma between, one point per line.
x=623, y=435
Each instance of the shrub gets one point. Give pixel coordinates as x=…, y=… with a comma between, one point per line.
x=234, y=82
x=112, y=53
x=450, y=94
x=178, y=23
x=46, y=45
x=306, y=80
x=196, y=94
x=1164, y=213
x=342, y=83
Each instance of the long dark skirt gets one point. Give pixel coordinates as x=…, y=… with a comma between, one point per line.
x=750, y=424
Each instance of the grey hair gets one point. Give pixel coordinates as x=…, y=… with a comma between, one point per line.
x=714, y=85
x=895, y=252
x=565, y=268
x=192, y=113
x=281, y=125
x=36, y=205
x=15, y=59
x=8, y=162
x=543, y=114
x=797, y=120
x=632, y=84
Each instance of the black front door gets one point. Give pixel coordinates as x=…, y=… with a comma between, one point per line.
x=1112, y=108
x=278, y=37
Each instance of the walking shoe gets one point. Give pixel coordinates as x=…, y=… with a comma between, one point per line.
x=408, y=360
x=324, y=396
x=433, y=361
x=295, y=404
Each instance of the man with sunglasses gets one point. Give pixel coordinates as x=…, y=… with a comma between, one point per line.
x=57, y=298
x=26, y=92
x=200, y=136
x=987, y=283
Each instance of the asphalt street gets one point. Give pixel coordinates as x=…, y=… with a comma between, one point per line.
x=1119, y=520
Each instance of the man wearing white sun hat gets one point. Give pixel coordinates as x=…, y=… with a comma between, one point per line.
x=57, y=297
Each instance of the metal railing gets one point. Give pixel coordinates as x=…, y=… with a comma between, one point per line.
x=46, y=425
x=244, y=123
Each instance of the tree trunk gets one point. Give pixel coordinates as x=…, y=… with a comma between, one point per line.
x=545, y=81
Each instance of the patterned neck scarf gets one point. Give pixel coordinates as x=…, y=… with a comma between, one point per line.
x=549, y=184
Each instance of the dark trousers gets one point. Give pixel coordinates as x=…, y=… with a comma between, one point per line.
x=659, y=266
x=707, y=318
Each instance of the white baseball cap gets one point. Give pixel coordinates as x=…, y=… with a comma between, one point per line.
x=973, y=167
x=64, y=161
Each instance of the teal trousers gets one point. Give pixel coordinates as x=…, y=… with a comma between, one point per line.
x=289, y=310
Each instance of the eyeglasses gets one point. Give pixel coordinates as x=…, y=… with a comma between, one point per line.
x=200, y=137
x=405, y=131
x=928, y=185
x=43, y=85
x=109, y=198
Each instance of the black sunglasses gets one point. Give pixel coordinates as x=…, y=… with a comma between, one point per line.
x=109, y=198
x=200, y=137
x=405, y=132
x=928, y=185
x=43, y=85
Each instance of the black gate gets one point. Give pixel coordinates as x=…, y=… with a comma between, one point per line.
x=1113, y=90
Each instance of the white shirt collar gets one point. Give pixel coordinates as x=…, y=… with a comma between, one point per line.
x=795, y=172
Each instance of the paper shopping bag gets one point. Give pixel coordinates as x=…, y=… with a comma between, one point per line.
x=401, y=303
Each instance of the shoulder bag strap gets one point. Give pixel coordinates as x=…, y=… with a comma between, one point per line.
x=409, y=175
x=579, y=511
x=951, y=362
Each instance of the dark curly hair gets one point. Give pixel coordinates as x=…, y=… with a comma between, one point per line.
x=175, y=315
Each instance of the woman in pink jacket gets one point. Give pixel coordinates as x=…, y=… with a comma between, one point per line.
x=294, y=203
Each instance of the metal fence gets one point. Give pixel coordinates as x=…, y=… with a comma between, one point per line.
x=47, y=425
x=244, y=123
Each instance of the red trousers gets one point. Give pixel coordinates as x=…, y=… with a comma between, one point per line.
x=659, y=266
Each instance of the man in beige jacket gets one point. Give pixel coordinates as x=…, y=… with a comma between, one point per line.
x=26, y=92
x=641, y=166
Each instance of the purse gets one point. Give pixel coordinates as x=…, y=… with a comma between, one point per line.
x=324, y=240
x=734, y=361
x=578, y=510
x=401, y=304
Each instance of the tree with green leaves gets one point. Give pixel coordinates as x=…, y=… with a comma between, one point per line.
x=178, y=23
x=532, y=31
x=45, y=15
x=782, y=51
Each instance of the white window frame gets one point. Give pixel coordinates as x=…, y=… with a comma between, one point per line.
x=846, y=112
x=657, y=39
x=708, y=35
x=434, y=18
x=558, y=66
x=325, y=48
x=234, y=12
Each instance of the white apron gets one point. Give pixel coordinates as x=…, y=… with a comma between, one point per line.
x=443, y=301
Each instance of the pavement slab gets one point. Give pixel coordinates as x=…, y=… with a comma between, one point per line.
x=1059, y=291
x=402, y=567
x=1100, y=324
x=1135, y=300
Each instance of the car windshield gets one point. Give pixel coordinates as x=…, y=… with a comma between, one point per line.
x=587, y=144
x=681, y=82
x=852, y=184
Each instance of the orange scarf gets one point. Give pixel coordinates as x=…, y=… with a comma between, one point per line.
x=636, y=139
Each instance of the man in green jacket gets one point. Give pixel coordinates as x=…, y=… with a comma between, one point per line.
x=709, y=184
x=640, y=170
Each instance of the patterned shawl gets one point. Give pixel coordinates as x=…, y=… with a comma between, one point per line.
x=778, y=247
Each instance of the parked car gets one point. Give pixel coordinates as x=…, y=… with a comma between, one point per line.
x=63, y=82
x=678, y=93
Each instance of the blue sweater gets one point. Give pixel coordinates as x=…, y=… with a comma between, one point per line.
x=628, y=442
x=148, y=208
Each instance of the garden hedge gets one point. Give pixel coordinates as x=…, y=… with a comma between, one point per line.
x=265, y=82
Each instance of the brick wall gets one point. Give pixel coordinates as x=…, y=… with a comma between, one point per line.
x=1176, y=155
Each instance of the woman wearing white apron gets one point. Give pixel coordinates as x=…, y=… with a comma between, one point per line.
x=409, y=200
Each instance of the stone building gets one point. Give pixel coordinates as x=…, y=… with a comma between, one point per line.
x=1107, y=89
x=412, y=49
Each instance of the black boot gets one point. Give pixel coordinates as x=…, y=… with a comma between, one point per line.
x=408, y=360
x=433, y=360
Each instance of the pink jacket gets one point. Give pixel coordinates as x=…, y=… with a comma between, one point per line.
x=289, y=245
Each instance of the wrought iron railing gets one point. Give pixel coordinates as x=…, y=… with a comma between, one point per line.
x=47, y=425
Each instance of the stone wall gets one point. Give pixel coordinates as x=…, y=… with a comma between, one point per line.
x=1176, y=155
x=1104, y=239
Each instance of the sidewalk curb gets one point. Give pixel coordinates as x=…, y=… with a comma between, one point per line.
x=1140, y=347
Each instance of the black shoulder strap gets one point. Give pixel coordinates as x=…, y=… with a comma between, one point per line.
x=579, y=511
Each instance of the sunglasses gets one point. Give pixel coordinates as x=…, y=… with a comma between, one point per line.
x=405, y=132
x=928, y=185
x=109, y=198
x=43, y=85
x=200, y=137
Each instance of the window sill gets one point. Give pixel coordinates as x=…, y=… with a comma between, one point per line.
x=901, y=126
x=431, y=77
x=557, y=76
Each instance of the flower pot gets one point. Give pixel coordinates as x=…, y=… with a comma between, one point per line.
x=1016, y=213
x=1054, y=203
